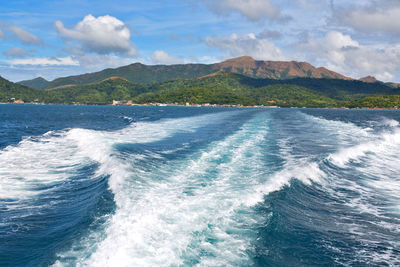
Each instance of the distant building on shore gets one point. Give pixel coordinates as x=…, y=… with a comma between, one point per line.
x=122, y=103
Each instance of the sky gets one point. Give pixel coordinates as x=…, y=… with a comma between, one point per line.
x=60, y=38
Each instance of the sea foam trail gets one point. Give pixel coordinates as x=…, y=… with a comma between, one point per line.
x=195, y=210
x=37, y=174
x=36, y=164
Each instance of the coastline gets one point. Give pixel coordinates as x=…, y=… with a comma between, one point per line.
x=197, y=106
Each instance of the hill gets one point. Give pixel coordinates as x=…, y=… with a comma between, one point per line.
x=230, y=88
x=138, y=73
x=10, y=91
x=96, y=93
x=141, y=73
x=393, y=85
x=37, y=83
x=217, y=88
x=227, y=88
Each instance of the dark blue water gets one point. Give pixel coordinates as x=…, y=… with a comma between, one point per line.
x=174, y=186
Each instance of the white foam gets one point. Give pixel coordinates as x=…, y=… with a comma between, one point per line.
x=42, y=161
x=305, y=169
x=375, y=156
x=389, y=122
x=378, y=146
x=367, y=182
x=347, y=133
x=376, y=192
x=31, y=165
x=168, y=215
x=199, y=208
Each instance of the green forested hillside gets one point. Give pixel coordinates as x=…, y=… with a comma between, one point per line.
x=96, y=93
x=376, y=101
x=10, y=90
x=37, y=83
x=138, y=73
x=219, y=88
x=295, y=92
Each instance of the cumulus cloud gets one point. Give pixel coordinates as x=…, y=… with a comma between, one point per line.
x=63, y=61
x=25, y=37
x=17, y=52
x=253, y=10
x=338, y=40
x=339, y=52
x=246, y=45
x=162, y=57
x=376, y=16
x=102, y=35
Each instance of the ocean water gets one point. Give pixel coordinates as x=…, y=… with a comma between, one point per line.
x=177, y=186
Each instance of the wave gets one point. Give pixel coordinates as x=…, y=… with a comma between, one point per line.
x=35, y=165
x=182, y=204
x=55, y=156
x=373, y=154
x=61, y=175
x=346, y=203
x=388, y=122
x=195, y=210
x=364, y=178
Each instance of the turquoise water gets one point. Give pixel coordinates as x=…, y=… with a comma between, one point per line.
x=176, y=186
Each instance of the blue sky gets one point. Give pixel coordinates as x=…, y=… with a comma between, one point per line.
x=59, y=38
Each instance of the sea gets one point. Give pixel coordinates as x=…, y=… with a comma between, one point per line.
x=190, y=186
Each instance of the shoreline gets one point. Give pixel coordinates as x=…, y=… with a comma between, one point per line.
x=196, y=106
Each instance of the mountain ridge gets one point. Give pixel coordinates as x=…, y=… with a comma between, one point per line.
x=141, y=73
x=224, y=88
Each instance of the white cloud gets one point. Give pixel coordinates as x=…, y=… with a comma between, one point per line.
x=341, y=53
x=26, y=37
x=371, y=16
x=161, y=57
x=338, y=40
x=254, y=10
x=102, y=35
x=2, y=35
x=17, y=52
x=64, y=61
x=374, y=21
x=246, y=45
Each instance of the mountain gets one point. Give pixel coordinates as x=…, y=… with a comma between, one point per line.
x=141, y=73
x=228, y=88
x=37, y=83
x=369, y=79
x=218, y=88
x=276, y=69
